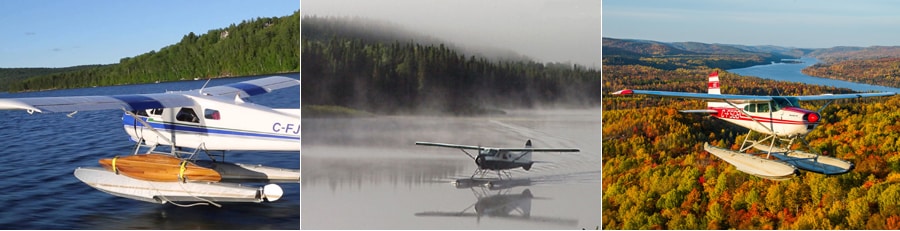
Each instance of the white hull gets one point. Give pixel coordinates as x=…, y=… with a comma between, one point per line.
x=754, y=165
x=810, y=162
x=162, y=192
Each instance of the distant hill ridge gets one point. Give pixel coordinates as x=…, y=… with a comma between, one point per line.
x=670, y=56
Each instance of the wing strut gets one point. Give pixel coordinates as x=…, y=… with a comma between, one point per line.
x=467, y=153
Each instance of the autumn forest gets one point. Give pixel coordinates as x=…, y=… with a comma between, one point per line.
x=656, y=174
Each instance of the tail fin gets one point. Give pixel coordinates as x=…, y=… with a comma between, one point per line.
x=714, y=83
x=527, y=156
x=714, y=90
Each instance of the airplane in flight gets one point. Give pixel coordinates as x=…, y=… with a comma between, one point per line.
x=779, y=119
x=499, y=159
x=188, y=123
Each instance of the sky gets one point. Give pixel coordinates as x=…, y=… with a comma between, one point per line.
x=545, y=30
x=791, y=23
x=62, y=33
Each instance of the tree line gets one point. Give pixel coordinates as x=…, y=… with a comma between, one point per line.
x=256, y=46
x=881, y=71
x=368, y=72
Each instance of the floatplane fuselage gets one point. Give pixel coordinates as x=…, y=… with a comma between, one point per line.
x=215, y=123
x=499, y=159
x=188, y=123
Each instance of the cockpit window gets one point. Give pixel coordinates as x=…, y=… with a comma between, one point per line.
x=187, y=115
x=212, y=114
x=489, y=152
x=156, y=111
x=140, y=112
x=782, y=102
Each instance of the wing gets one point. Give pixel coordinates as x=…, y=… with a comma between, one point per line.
x=252, y=87
x=540, y=149
x=723, y=97
x=143, y=101
x=752, y=98
x=843, y=96
x=449, y=145
x=91, y=103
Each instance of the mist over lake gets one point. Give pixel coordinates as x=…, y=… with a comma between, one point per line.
x=367, y=173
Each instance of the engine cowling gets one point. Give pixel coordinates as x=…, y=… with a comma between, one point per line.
x=811, y=117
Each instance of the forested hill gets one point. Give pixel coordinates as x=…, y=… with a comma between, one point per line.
x=346, y=65
x=671, y=56
x=844, y=53
x=9, y=75
x=255, y=46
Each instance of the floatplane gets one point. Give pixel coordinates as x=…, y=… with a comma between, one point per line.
x=779, y=120
x=172, y=130
x=500, y=160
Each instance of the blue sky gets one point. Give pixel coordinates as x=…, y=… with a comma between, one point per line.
x=795, y=23
x=61, y=33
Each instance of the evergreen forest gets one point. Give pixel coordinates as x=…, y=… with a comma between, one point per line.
x=390, y=70
x=656, y=174
x=252, y=47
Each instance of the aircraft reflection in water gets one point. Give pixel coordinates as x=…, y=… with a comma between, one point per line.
x=502, y=204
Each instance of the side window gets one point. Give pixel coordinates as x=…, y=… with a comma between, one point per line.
x=187, y=115
x=750, y=108
x=156, y=111
x=763, y=107
x=212, y=114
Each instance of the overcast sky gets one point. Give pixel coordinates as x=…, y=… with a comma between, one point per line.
x=62, y=33
x=794, y=23
x=546, y=30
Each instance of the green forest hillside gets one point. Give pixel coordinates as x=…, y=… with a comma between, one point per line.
x=346, y=66
x=10, y=75
x=656, y=174
x=256, y=46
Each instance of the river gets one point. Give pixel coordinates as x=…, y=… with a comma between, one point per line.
x=367, y=173
x=792, y=72
x=39, y=153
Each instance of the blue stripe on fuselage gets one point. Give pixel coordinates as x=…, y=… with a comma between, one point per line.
x=249, y=88
x=128, y=120
x=138, y=102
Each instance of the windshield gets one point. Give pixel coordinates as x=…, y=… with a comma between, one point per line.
x=782, y=102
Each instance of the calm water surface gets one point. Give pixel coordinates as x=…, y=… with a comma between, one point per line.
x=39, y=153
x=792, y=72
x=366, y=173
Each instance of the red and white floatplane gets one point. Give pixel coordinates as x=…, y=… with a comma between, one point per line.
x=779, y=119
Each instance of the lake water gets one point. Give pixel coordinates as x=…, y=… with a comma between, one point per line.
x=39, y=153
x=792, y=72
x=366, y=173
